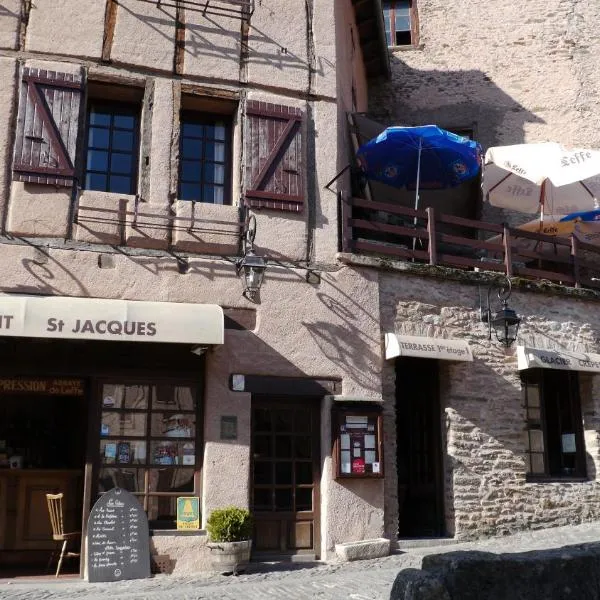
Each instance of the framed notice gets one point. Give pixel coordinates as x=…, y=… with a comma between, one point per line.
x=188, y=512
x=357, y=442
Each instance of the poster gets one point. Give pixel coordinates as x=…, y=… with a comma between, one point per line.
x=358, y=465
x=188, y=512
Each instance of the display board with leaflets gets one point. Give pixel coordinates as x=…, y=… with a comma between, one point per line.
x=357, y=448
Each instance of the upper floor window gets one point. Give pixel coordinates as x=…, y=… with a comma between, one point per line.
x=112, y=147
x=204, y=166
x=400, y=22
x=555, y=445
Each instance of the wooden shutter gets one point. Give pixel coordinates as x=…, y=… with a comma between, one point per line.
x=47, y=126
x=274, y=161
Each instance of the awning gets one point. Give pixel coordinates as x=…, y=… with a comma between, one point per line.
x=112, y=320
x=536, y=358
x=427, y=347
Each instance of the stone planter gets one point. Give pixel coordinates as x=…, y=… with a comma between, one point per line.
x=230, y=557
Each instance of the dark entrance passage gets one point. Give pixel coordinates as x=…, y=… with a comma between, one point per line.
x=419, y=455
x=285, y=475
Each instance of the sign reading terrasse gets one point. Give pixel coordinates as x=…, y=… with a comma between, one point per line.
x=536, y=358
x=114, y=320
x=427, y=347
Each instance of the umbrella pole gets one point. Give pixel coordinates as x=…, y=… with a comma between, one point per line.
x=417, y=190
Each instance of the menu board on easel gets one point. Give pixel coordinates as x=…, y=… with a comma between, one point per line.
x=357, y=443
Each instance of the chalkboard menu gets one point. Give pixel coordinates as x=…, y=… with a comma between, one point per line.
x=118, y=542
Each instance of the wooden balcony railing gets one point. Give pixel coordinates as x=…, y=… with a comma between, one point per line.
x=424, y=236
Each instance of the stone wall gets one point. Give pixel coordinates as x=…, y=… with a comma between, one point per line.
x=482, y=415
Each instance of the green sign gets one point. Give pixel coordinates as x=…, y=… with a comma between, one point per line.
x=188, y=512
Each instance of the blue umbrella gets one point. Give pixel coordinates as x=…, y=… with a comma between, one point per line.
x=420, y=157
x=585, y=215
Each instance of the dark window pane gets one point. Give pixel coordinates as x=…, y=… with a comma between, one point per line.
x=283, y=473
x=97, y=160
x=302, y=422
x=214, y=173
x=215, y=131
x=263, y=499
x=262, y=446
x=192, y=129
x=213, y=194
x=162, y=512
x=304, y=473
x=120, y=185
x=190, y=171
x=263, y=472
x=122, y=140
x=304, y=499
x=120, y=163
x=124, y=121
x=284, y=420
x=171, y=480
x=283, y=446
x=189, y=191
x=131, y=480
x=98, y=138
x=93, y=181
x=262, y=420
x=214, y=151
x=191, y=148
x=303, y=447
x=283, y=499
x=99, y=118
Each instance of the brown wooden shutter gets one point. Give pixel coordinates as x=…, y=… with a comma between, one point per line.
x=47, y=127
x=275, y=165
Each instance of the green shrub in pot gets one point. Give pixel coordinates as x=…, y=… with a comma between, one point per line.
x=230, y=524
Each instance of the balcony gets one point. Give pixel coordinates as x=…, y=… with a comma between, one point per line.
x=431, y=238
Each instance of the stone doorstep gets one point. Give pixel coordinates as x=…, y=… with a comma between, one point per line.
x=408, y=543
x=362, y=550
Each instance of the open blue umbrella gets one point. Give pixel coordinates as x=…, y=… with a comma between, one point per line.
x=585, y=216
x=425, y=157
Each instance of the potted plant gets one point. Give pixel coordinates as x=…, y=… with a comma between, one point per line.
x=229, y=533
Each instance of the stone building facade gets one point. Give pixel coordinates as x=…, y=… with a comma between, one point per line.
x=102, y=105
x=506, y=75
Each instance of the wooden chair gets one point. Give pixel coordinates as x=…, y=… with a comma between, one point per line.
x=55, y=508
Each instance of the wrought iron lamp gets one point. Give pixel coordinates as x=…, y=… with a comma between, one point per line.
x=505, y=322
x=251, y=267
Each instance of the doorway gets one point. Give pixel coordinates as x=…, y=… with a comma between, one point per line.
x=419, y=449
x=43, y=426
x=285, y=475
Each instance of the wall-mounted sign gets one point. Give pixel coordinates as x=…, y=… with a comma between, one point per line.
x=113, y=320
x=188, y=512
x=229, y=427
x=427, y=347
x=48, y=386
x=537, y=358
x=357, y=442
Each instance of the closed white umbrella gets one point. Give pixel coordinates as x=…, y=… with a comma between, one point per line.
x=544, y=177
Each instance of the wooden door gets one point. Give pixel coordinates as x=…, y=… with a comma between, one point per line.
x=285, y=475
x=419, y=452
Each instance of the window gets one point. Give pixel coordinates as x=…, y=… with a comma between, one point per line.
x=400, y=19
x=148, y=446
x=555, y=446
x=112, y=147
x=204, y=158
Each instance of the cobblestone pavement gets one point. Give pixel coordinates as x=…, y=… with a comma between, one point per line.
x=363, y=580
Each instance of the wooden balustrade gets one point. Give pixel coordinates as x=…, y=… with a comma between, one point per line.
x=426, y=236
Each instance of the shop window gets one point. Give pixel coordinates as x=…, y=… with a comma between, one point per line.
x=205, y=153
x=112, y=147
x=400, y=18
x=149, y=446
x=555, y=445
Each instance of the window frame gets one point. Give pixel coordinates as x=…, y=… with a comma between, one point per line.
x=148, y=439
x=546, y=382
x=131, y=109
x=200, y=117
x=389, y=7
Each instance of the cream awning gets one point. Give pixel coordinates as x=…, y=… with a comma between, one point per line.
x=537, y=358
x=111, y=320
x=427, y=347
